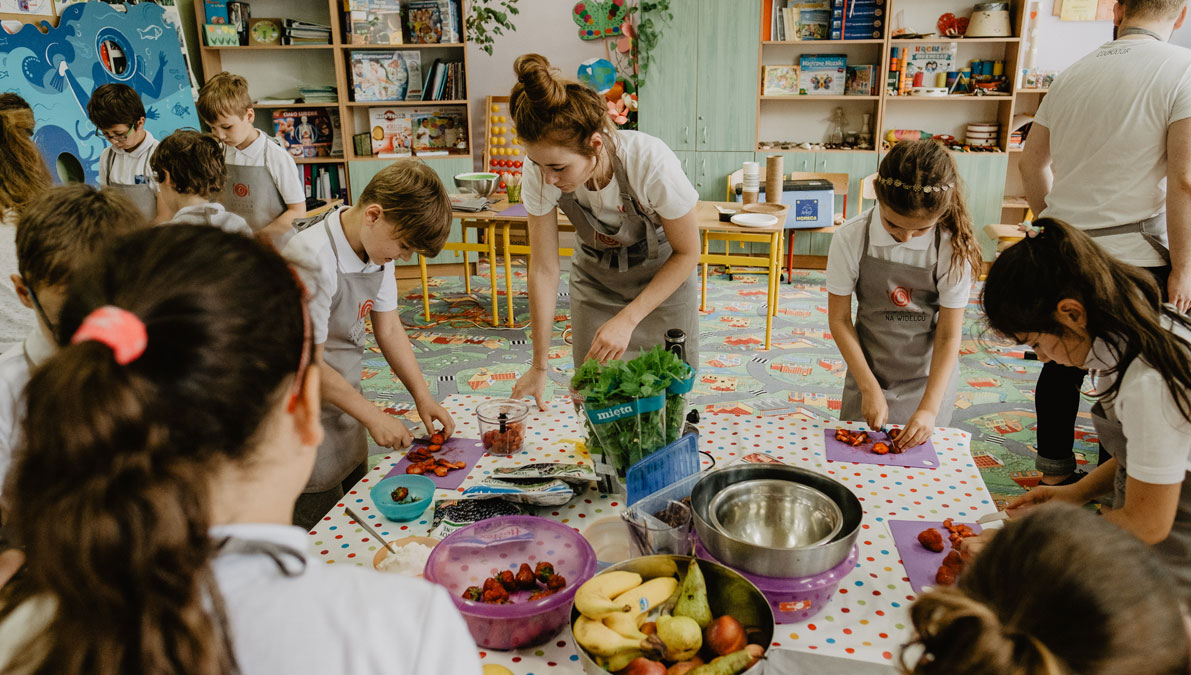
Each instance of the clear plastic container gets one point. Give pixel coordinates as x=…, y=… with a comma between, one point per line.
x=469, y=556
x=502, y=425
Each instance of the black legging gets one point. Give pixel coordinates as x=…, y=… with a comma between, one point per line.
x=1056, y=402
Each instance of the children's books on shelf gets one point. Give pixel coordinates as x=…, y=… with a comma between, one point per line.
x=391, y=133
x=386, y=75
x=307, y=133
x=439, y=132
x=780, y=81
x=822, y=74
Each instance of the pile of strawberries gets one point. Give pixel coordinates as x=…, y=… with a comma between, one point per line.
x=932, y=540
x=504, y=442
x=496, y=589
x=859, y=438
x=422, y=461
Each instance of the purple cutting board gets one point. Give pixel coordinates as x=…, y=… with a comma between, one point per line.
x=515, y=211
x=921, y=565
x=466, y=450
x=923, y=456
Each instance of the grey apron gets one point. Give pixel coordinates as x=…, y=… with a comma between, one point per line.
x=898, y=309
x=1152, y=229
x=345, y=444
x=251, y=194
x=611, y=267
x=142, y=196
x=1176, y=548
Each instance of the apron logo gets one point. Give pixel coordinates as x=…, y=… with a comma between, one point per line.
x=607, y=241
x=241, y=190
x=365, y=309
x=900, y=296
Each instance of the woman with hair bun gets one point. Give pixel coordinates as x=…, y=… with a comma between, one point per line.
x=1022, y=608
x=633, y=272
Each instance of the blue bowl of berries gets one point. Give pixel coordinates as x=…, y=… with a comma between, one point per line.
x=403, y=498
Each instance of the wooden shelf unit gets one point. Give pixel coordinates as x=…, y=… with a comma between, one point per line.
x=881, y=50
x=212, y=63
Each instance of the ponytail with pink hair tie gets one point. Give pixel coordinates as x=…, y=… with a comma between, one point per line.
x=121, y=330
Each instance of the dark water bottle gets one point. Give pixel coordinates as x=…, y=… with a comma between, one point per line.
x=676, y=343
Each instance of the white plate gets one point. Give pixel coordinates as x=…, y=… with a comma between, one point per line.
x=754, y=220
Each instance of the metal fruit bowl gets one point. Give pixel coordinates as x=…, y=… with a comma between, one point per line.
x=478, y=184
x=728, y=592
x=797, y=562
x=778, y=514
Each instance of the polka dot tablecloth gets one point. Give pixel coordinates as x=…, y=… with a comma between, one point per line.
x=866, y=620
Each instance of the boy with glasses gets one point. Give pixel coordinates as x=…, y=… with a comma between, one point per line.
x=116, y=110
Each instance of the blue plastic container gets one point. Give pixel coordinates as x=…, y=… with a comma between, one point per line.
x=420, y=487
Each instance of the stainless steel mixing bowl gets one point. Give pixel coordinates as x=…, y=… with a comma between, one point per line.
x=796, y=562
x=777, y=514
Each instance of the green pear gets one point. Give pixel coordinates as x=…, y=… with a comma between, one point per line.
x=692, y=596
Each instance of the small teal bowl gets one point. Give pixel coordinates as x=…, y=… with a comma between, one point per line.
x=419, y=486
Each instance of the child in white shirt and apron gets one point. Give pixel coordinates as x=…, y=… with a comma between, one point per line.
x=1061, y=293
x=58, y=234
x=346, y=261
x=194, y=428
x=262, y=179
x=189, y=168
x=1056, y=591
x=909, y=261
x=117, y=111
x=633, y=271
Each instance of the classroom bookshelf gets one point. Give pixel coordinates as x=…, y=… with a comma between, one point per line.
x=277, y=71
x=803, y=118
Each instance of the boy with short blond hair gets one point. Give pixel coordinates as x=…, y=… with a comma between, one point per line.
x=57, y=234
x=262, y=179
x=117, y=112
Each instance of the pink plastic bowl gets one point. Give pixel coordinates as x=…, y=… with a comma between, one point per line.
x=472, y=554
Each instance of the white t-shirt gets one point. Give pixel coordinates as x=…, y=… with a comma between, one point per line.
x=311, y=255
x=1157, y=434
x=1108, y=116
x=267, y=152
x=16, y=320
x=128, y=167
x=15, y=371
x=843, y=258
x=652, y=168
x=214, y=214
x=336, y=619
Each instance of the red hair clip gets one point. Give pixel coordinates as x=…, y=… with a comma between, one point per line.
x=121, y=330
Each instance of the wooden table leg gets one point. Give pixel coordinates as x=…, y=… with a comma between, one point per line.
x=425, y=286
x=490, y=233
x=466, y=262
x=508, y=275
x=776, y=273
x=703, y=258
x=774, y=248
x=790, y=259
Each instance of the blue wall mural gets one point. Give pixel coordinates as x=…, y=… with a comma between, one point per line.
x=95, y=44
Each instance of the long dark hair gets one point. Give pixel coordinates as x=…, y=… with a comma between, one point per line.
x=1023, y=608
x=1122, y=302
x=111, y=485
x=23, y=172
x=920, y=177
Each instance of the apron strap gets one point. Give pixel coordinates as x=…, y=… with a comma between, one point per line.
x=331, y=238
x=111, y=162
x=1154, y=240
x=290, y=562
x=632, y=209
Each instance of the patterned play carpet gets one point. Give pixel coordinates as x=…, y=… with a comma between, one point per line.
x=801, y=375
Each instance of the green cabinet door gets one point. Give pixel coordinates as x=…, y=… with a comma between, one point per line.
x=360, y=172
x=711, y=172
x=983, y=176
x=666, y=102
x=857, y=165
x=728, y=45
x=687, y=159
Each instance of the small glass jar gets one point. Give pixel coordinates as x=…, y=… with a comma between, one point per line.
x=502, y=425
